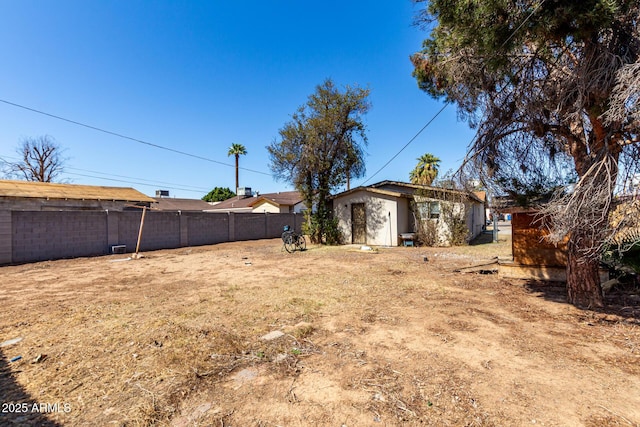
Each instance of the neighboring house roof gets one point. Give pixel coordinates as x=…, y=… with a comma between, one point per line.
x=173, y=204
x=284, y=198
x=235, y=203
x=405, y=189
x=239, y=203
x=375, y=191
x=48, y=190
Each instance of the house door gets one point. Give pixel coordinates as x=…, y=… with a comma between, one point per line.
x=358, y=224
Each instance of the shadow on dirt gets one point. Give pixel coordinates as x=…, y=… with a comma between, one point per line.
x=486, y=237
x=18, y=407
x=482, y=239
x=622, y=301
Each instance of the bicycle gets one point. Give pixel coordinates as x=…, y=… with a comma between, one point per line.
x=293, y=241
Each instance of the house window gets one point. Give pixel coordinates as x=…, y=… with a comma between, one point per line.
x=429, y=210
x=434, y=210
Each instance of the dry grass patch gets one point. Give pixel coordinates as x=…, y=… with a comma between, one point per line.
x=178, y=339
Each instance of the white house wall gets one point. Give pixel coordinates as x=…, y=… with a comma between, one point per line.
x=385, y=216
x=443, y=230
x=299, y=207
x=266, y=207
x=474, y=219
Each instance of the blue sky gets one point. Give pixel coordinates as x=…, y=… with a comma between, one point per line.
x=198, y=76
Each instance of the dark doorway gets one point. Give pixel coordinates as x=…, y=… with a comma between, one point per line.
x=358, y=224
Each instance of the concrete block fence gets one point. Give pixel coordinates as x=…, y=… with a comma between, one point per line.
x=27, y=236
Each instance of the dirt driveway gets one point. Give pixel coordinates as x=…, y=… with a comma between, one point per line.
x=243, y=334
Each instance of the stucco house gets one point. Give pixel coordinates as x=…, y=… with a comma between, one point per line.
x=381, y=213
x=280, y=202
x=46, y=196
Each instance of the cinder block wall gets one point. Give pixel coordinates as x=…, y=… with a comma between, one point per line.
x=207, y=228
x=6, y=239
x=42, y=235
x=27, y=236
x=276, y=222
x=248, y=225
x=161, y=230
x=128, y=225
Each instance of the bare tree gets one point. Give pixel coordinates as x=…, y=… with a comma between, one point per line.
x=40, y=160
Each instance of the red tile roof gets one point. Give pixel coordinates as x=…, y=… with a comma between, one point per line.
x=284, y=198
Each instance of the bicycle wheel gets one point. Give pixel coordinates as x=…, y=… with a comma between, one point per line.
x=301, y=243
x=289, y=244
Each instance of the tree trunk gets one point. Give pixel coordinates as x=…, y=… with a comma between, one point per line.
x=583, y=278
x=590, y=205
x=237, y=181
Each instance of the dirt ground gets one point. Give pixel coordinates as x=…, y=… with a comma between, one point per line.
x=244, y=334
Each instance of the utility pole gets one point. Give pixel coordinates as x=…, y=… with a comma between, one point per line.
x=495, y=225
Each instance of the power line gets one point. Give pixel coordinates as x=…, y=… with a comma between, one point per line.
x=131, y=182
x=119, y=135
x=174, y=186
x=185, y=187
x=407, y=144
x=513, y=33
x=533, y=11
x=471, y=155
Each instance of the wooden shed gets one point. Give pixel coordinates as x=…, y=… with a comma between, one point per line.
x=534, y=257
x=529, y=244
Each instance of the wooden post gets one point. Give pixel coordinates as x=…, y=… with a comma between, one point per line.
x=144, y=211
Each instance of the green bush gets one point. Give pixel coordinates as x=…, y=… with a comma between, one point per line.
x=459, y=233
x=623, y=262
x=322, y=228
x=427, y=229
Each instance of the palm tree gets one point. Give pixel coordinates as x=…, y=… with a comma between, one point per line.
x=237, y=150
x=426, y=170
